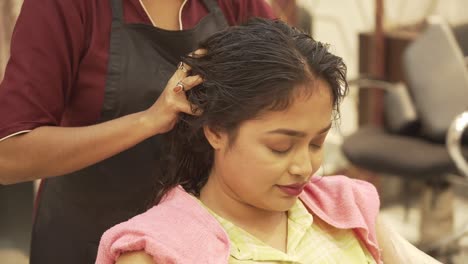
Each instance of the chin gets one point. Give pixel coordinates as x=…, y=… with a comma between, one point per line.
x=284, y=204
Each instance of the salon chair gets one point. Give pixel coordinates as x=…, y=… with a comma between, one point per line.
x=422, y=136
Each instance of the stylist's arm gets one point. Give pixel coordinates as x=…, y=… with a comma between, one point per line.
x=49, y=151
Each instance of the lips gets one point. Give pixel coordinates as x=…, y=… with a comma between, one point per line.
x=292, y=189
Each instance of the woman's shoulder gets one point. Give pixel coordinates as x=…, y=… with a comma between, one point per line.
x=175, y=207
x=338, y=192
x=345, y=203
x=174, y=229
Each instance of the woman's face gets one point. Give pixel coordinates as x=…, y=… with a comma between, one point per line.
x=275, y=155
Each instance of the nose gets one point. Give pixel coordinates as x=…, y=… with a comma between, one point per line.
x=301, y=164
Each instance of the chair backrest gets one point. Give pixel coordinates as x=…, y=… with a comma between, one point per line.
x=437, y=78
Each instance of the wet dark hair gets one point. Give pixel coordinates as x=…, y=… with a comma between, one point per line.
x=247, y=70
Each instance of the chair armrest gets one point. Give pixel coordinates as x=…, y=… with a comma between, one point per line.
x=399, y=110
x=454, y=146
x=364, y=82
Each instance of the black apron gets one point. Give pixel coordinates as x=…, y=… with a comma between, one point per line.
x=74, y=210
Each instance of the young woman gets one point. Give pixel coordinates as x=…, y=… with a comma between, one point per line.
x=240, y=184
x=83, y=99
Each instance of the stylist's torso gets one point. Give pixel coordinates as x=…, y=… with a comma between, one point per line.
x=88, y=62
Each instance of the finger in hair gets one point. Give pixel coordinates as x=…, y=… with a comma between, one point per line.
x=192, y=81
x=184, y=67
x=198, y=53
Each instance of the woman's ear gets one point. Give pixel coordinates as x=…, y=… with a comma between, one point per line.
x=215, y=137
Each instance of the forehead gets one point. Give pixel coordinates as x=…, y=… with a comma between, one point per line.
x=311, y=109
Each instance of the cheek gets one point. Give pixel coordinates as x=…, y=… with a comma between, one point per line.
x=317, y=160
x=255, y=163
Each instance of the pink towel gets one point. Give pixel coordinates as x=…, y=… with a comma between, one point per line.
x=346, y=204
x=179, y=230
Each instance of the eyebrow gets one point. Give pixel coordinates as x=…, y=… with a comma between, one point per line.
x=295, y=133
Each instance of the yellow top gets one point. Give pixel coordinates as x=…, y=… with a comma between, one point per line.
x=310, y=240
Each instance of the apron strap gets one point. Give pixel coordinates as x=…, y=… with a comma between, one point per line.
x=117, y=11
x=211, y=5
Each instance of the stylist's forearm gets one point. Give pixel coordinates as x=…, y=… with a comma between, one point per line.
x=53, y=151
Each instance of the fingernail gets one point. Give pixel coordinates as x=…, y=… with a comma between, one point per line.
x=177, y=89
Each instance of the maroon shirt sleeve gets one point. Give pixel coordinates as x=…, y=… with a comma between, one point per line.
x=47, y=42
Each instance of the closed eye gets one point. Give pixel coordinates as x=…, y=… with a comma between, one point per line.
x=280, y=152
x=315, y=146
x=318, y=142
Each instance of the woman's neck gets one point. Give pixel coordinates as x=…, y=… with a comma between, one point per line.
x=268, y=226
x=163, y=13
